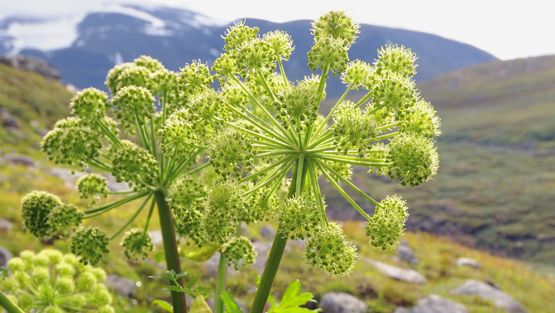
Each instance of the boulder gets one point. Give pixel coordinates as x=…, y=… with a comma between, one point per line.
x=468, y=262
x=487, y=292
x=434, y=304
x=19, y=159
x=125, y=287
x=405, y=253
x=5, y=256
x=31, y=64
x=397, y=273
x=267, y=232
x=5, y=226
x=339, y=302
x=262, y=251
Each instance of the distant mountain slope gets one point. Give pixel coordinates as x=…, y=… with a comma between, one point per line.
x=495, y=188
x=177, y=36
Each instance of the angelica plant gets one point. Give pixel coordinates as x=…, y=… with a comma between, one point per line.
x=52, y=282
x=157, y=131
x=389, y=130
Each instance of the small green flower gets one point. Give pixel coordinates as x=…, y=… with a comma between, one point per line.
x=330, y=251
x=396, y=59
x=300, y=218
x=37, y=207
x=239, y=251
x=133, y=104
x=222, y=204
x=299, y=104
x=134, y=165
x=388, y=222
x=64, y=219
x=92, y=186
x=413, y=159
x=89, y=104
x=393, y=91
x=50, y=281
x=90, y=244
x=328, y=52
x=353, y=129
x=231, y=153
x=357, y=74
x=238, y=34
x=422, y=120
x=195, y=77
x=337, y=25
x=281, y=44
x=257, y=56
x=136, y=244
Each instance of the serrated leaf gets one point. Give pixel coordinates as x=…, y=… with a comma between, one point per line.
x=292, y=300
x=164, y=305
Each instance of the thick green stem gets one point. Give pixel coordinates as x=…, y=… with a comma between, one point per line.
x=276, y=252
x=170, y=249
x=220, y=285
x=8, y=305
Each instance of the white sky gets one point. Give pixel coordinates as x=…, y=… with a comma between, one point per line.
x=507, y=29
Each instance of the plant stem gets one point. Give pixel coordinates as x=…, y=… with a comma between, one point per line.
x=170, y=249
x=220, y=285
x=276, y=252
x=8, y=305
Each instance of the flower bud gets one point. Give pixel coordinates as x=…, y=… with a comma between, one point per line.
x=337, y=25
x=330, y=251
x=238, y=34
x=90, y=244
x=396, y=59
x=281, y=44
x=239, y=251
x=413, y=159
x=388, y=222
x=421, y=120
x=300, y=217
x=133, y=105
x=231, y=153
x=357, y=74
x=89, y=104
x=135, y=165
x=92, y=186
x=136, y=244
x=328, y=51
x=37, y=206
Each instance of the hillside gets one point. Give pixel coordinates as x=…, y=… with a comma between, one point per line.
x=497, y=172
x=176, y=36
x=31, y=100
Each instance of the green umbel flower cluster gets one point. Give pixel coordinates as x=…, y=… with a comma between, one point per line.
x=239, y=251
x=92, y=186
x=52, y=282
x=390, y=130
x=136, y=244
x=90, y=244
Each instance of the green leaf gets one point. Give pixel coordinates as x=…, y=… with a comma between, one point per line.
x=229, y=303
x=163, y=305
x=292, y=300
x=200, y=306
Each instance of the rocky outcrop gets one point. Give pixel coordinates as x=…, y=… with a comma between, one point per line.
x=125, y=287
x=267, y=232
x=406, y=254
x=468, y=262
x=5, y=256
x=18, y=159
x=397, y=273
x=339, y=302
x=434, y=304
x=31, y=64
x=487, y=292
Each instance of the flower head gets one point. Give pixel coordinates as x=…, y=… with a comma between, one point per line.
x=337, y=25
x=134, y=165
x=388, y=223
x=92, y=186
x=136, y=244
x=89, y=103
x=238, y=34
x=330, y=251
x=50, y=281
x=413, y=159
x=280, y=43
x=37, y=208
x=133, y=104
x=90, y=244
x=396, y=59
x=239, y=251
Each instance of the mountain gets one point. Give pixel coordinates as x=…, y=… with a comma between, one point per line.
x=177, y=36
x=495, y=187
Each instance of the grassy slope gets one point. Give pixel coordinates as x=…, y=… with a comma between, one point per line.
x=437, y=254
x=497, y=174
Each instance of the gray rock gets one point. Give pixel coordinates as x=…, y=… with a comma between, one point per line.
x=31, y=64
x=487, y=292
x=468, y=262
x=5, y=256
x=262, y=250
x=405, y=253
x=121, y=285
x=68, y=176
x=397, y=273
x=434, y=304
x=5, y=226
x=156, y=237
x=19, y=159
x=7, y=119
x=339, y=302
x=267, y=232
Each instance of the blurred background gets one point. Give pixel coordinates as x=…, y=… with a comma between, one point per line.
x=487, y=66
